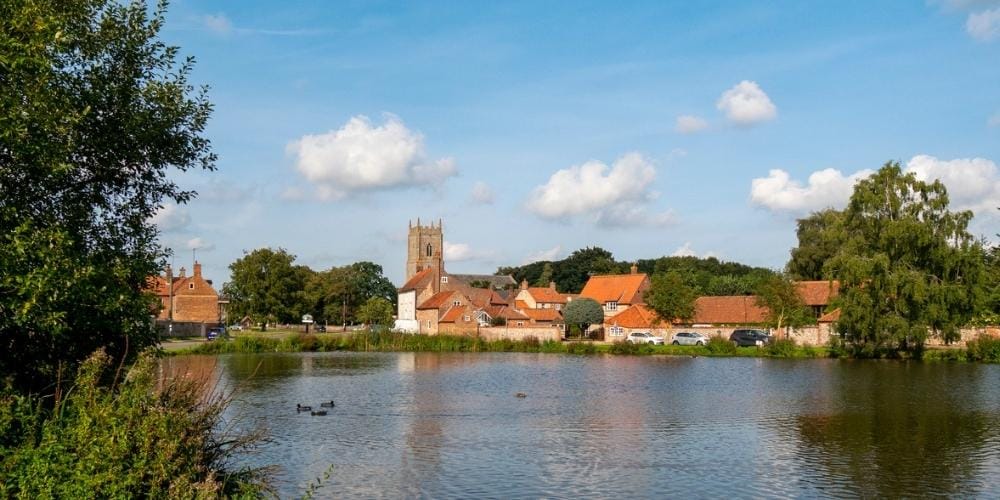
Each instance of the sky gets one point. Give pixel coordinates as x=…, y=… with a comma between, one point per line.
x=533, y=129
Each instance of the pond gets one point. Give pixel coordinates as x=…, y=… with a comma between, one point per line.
x=450, y=425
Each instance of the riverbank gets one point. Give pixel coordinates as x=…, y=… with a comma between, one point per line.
x=982, y=350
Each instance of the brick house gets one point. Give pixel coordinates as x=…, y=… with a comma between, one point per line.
x=638, y=318
x=617, y=292
x=190, y=299
x=541, y=297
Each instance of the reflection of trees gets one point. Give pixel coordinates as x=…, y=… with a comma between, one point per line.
x=892, y=430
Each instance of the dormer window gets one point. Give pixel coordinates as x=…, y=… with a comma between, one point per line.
x=611, y=306
x=457, y=303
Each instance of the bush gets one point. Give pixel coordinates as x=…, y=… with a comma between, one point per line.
x=984, y=348
x=719, y=345
x=145, y=437
x=781, y=348
x=628, y=348
x=581, y=348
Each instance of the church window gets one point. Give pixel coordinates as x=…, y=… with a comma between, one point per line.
x=429, y=250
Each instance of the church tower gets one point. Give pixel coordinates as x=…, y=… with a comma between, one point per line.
x=425, y=248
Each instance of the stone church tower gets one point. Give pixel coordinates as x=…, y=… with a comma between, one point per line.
x=425, y=248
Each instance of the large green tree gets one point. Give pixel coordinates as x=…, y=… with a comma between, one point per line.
x=820, y=235
x=785, y=307
x=95, y=112
x=582, y=313
x=266, y=286
x=671, y=297
x=908, y=264
x=376, y=312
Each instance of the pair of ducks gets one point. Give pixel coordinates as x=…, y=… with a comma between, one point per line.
x=319, y=413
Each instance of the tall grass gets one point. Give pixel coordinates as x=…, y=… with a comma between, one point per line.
x=984, y=348
x=142, y=436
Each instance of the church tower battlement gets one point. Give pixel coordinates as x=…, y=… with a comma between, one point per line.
x=425, y=248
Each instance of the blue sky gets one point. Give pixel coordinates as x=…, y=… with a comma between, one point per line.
x=536, y=128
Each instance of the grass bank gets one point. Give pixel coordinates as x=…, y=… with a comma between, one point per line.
x=399, y=342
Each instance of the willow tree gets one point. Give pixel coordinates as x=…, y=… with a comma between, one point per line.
x=908, y=265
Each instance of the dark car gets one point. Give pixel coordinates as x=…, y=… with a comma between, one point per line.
x=750, y=337
x=319, y=328
x=214, y=333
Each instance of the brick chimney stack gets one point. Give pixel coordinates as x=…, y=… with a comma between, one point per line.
x=552, y=285
x=197, y=269
x=635, y=268
x=183, y=273
x=524, y=284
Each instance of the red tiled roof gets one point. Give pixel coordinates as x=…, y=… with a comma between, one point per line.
x=817, y=293
x=437, y=300
x=418, y=280
x=621, y=288
x=482, y=297
x=542, y=314
x=453, y=314
x=509, y=314
x=637, y=316
x=520, y=304
x=731, y=310
x=830, y=317
x=547, y=295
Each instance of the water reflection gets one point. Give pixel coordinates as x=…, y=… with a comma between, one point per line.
x=449, y=425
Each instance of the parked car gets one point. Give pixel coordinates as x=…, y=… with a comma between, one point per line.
x=644, y=338
x=750, y=337
x=690, y=338
x=236, y=327
x=214, y=333
x=319, y=328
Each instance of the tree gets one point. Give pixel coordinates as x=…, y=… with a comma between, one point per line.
x=376, y=311
x=820, y=236
x=266, y=286
x=95, y=112
x=583, y=312
x=908, y=264
x=671, y=297
x=779, y=295
x=546, y=276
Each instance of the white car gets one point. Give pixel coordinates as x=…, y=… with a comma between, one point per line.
x=689, y=338
x=644, y=338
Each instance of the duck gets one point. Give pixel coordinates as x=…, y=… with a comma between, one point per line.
x=318, y=413
x=299, y=407
x=520, y=395
x=328, y=404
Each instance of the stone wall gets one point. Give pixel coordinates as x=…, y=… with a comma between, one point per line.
x=543, y=334
x=183, y=328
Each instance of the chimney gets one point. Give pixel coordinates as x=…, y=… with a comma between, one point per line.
x=183, y=273
x=635, y=268
x=169, y=273
x=552, y=285
x=524, y=284
x=197, y=269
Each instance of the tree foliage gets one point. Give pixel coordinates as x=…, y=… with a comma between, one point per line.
x=94, y=112
x=783, y=302
x=820, y=236
x=266, y=286
x=376, y=311
x=583, y=312
x=671, y=297
x=907, y=265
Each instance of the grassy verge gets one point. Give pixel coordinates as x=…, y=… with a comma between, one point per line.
x=398, y=342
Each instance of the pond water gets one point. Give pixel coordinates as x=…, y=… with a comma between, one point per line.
x=450, y=425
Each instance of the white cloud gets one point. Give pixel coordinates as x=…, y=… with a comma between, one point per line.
x=362, y=157
x=686, y=250
x=615, y=196
x=973, y=183
x=171, y=217
x=544, y=255
x=778, y=192
x=482, y=193
x=984, y=25
x=200, y=244
x=689, y=124
x=457, y=252
x=746, y=104
x=217, y=23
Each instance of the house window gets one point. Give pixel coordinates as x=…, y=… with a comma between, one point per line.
x=190, y=286
x=520, y=323
x=617, y=331
x=429, y=250
x=428, y=324
x=456, y=303
x=444, y=279
x=611, y=306
x=558, y=307
x=466, y=318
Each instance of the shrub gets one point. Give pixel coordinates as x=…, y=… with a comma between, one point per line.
x=627, y=348
x=781, y=348
x=581, y=348
x=144, y=437
x=719, y=345
x=984, y=348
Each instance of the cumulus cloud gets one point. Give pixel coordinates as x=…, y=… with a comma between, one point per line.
x=200, y=244
x=746, y=104
x=171, y=217
x=686, y=250
x=457, y=252
x=826, y=188
x=610, y=196
x=362, y=157
x=973, y=183
x=984, y=25
x=544, y=255
x=690, y=124
x=482, y=193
